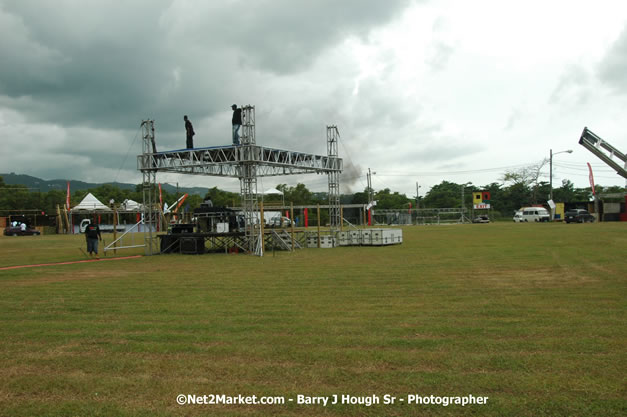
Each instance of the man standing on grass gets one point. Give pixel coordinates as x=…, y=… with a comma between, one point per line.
x=92, y=234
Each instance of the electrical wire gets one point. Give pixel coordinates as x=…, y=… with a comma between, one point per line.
x=127, y=152
x=439, y=173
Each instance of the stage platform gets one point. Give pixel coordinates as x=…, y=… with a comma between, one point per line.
x=198, y=243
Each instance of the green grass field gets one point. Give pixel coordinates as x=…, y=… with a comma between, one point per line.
x=532, y=316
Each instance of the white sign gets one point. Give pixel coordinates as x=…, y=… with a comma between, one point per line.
x=481, y=206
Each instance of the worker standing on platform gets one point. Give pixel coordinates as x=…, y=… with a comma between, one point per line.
x=237, y=123
x=189, y=130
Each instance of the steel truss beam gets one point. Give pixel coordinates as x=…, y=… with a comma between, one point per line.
x=226, y=161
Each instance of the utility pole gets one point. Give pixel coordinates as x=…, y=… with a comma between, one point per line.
x=417, y=195
x=463, y=208
x=370, y=190
x=463, y=187
x=551, y=178
x=370, y=196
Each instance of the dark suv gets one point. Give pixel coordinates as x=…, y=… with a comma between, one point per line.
x=17, y=231
x=578, y=216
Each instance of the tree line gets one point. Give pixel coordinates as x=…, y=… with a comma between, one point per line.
x=518, y=189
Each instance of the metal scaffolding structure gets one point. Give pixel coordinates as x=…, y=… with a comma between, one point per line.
x=335, y=217
x=150, y=215
x=248, y=184
x=604, y=151
x=246, y=162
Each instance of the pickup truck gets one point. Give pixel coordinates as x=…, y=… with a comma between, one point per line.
x=103, y=227
x=578, y=216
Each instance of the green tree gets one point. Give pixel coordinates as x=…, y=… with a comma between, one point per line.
x=387, y=200
x=443, y=195
x=514, y=197
x=527, y=180
x=298, y=195
x=51, y=199
x=221, y=198
x=360, y=198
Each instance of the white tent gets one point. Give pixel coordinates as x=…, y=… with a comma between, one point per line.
x=274, y=191
x=131, y=205
x=90, y=203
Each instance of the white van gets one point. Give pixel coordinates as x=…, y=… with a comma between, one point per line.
x=518, y=217
x=534, y=214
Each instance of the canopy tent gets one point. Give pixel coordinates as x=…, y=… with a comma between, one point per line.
x=274, y=191
x=89, y=203
x=131, y=205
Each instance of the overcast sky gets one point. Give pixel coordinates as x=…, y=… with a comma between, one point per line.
x=420, y=90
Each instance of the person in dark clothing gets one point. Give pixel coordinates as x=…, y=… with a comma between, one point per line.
x=237, y=123
x=92, y=235
x=189, y=130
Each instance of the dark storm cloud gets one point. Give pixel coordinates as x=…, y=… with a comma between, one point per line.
x=78, y=77
x=98, y=64
x=613, y=68
x=80, y=63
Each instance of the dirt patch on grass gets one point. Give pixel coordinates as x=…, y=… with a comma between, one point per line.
x=55, y=277
x=564, y=276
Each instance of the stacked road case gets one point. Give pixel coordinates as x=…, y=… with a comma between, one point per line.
x=370, y=237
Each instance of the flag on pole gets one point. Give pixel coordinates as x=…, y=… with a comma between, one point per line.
x=591, y=178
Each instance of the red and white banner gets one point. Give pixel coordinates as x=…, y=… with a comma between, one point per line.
x=591, y=178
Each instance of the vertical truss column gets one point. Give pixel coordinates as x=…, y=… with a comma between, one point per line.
x=335, y=217
x=149, y=188
x=248, y=182
x=248, y=128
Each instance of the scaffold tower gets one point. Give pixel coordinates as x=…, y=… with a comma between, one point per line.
x=248, y=182
x=245, y=162
x=335, y=217
x=150, y=213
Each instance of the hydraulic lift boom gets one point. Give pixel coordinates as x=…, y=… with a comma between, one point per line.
x=598, y=146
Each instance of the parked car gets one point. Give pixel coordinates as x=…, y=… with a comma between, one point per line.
x=533, y=214
x=276, y=222
x=481, y=219
x=518, y=217
x=17, y=231
x=578, y=216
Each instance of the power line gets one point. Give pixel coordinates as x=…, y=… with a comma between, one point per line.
x=438, y=173
x=127, y=152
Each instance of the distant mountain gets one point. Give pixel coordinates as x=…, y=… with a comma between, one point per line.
x=46, y=185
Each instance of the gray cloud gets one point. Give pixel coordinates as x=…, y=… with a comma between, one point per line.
x=573, y=86
x=442, y=52
x=104, y=66
x=612, y=70
x=78, y=77
x=94, y=70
